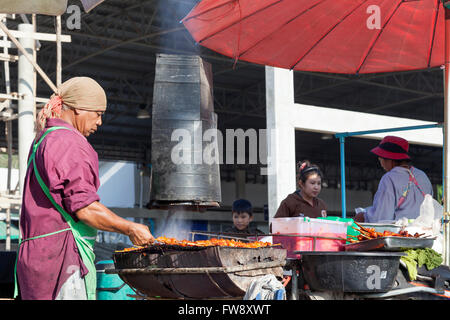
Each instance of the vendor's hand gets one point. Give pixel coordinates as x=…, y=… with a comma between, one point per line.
x=359, y=217
x=139, y=234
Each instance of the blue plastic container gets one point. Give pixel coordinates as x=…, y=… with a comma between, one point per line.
x=110, y=286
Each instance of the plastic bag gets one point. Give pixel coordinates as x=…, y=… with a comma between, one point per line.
x=429, y=221
x=431, y=213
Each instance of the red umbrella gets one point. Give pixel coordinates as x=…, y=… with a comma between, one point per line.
x=345, y=36
x=332, y=36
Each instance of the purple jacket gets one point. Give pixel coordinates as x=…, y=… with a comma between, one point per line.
x=68, y=166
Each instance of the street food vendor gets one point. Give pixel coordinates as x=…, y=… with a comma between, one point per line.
x=61, y=212
x=304, y=201
x=402, y=188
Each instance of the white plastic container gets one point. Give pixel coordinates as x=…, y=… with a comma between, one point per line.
x=313, y=234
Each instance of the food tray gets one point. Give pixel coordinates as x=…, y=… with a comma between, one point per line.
x=381, y=227
x=390, y=244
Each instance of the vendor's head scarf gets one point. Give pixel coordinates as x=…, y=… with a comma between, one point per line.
x=79, y=93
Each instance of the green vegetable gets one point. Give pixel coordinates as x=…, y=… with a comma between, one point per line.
x=419, y=257
x=411, y=266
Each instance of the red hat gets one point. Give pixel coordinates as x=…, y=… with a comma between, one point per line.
x=391, y=147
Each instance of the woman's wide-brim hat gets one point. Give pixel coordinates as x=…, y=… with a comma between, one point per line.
x=391, y=147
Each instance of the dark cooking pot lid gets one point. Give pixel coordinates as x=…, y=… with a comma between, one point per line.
x=351, y=253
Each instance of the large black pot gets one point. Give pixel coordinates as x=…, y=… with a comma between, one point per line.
x=350, y=271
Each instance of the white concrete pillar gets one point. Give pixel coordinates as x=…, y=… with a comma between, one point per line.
x=26, y=105
x=280, y=136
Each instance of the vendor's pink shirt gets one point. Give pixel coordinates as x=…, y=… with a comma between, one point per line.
x=68, y=166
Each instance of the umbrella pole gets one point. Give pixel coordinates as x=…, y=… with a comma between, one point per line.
x=342, y=158
x=446, y=132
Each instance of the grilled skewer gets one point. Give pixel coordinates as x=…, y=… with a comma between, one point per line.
x=370, y=233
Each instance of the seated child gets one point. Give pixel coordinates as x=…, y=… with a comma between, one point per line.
x=242, y=216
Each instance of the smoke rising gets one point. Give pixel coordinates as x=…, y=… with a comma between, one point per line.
x=170, y=13
x=174, y=226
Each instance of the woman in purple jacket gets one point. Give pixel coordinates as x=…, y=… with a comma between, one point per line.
x=402, y=188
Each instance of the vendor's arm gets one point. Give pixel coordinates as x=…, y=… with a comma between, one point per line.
x=384, y=202
x=73, y=180
x=100, y=217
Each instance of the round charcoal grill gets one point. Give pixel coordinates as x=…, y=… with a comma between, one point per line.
x=194, y=272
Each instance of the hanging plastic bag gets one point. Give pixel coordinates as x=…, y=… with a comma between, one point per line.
x=431, y=213
x=429, y=221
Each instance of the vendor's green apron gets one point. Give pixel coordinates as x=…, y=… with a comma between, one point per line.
x=84, y=235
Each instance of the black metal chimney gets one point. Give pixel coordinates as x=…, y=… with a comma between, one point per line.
x=183, y=109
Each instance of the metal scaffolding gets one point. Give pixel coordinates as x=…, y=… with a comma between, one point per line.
x=26, y=41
